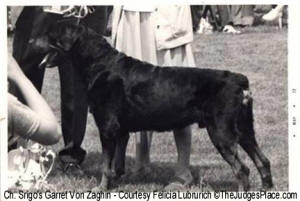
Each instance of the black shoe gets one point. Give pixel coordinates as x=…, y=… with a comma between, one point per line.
x=74, y=155
x=72, y=169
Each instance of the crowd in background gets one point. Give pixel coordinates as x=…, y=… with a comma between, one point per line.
x=209, y=18
x=232, y=18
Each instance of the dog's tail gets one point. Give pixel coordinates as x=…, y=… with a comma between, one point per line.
x=245, y=120
x=243, y=82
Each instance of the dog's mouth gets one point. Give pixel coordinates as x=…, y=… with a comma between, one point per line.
x=49, y=60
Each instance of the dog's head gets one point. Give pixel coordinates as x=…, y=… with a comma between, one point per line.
x=57, y=43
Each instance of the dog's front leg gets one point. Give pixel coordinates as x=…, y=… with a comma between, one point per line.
x=109, y=128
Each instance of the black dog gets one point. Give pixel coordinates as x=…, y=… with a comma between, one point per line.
x=128, y=95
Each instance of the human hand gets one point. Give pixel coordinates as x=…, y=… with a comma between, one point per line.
x=77, y=11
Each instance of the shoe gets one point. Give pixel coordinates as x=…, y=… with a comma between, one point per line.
x=274, y=14
x=72, y=155
x=72, y=169
x=230, y=29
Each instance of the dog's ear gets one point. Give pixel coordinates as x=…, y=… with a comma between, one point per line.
x=66, y=33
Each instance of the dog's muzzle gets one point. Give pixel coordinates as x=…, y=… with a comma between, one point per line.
x=47, y=61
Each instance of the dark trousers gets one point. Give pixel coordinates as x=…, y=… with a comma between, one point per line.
x=224, y=16
x=197, y=12
x=234, y=14
x=32, y=23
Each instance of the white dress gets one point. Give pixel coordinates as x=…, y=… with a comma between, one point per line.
x=135, y=36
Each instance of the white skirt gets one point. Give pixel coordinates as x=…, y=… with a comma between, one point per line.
x=135, y=37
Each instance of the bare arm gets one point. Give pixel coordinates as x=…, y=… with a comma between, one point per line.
x=49, y=130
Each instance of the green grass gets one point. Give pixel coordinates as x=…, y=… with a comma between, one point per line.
x=261, y=54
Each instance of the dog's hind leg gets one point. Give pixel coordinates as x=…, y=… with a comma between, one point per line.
x=261, y=162
x=226, y=143
x=108, y=150
x=119, y=158
x=248, y=142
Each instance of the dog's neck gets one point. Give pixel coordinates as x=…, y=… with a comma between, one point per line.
x=92, y=53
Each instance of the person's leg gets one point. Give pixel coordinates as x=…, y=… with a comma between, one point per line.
x=242, y=15
x=183, y=145
x=180, y=56
x=226, y=19
x=196, y=12
x=209, y=20
x=147, y=49
x=135, y=37
x=74, y=98
x=183, y=176
x=143, y=144
x=31, y=23
x=224, y=15
x=206, y=9
x=24, y=26
x=204, y=25
x=73, y=113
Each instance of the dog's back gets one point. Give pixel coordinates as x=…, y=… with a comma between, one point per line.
x=162, y=98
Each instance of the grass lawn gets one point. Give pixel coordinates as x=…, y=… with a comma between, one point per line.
x=261, y=54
